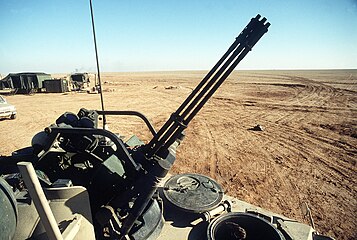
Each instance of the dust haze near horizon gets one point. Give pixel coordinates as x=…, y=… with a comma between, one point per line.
x=56, y=36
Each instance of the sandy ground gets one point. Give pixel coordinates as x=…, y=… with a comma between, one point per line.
x=306, y=154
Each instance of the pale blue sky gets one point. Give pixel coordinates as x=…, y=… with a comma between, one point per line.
x=55, y=36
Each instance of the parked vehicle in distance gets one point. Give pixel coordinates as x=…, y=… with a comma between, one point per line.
x=7, y=110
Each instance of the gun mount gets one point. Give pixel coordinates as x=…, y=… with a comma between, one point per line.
x=87, y=170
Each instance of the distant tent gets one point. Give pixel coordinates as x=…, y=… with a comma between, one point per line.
x=6, y=83
x=24, y=82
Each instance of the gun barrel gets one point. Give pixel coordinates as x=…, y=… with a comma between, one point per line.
x=179, y=120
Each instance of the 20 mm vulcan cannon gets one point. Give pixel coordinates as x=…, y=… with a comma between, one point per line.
x=157, y=151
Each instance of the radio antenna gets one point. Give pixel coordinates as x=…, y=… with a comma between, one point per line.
x=97, y=60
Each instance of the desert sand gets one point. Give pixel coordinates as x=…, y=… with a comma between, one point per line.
x=307, y=152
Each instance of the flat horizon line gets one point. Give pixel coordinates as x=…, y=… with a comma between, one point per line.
x=196, y=70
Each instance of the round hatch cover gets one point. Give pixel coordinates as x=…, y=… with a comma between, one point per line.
x=193, y=192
